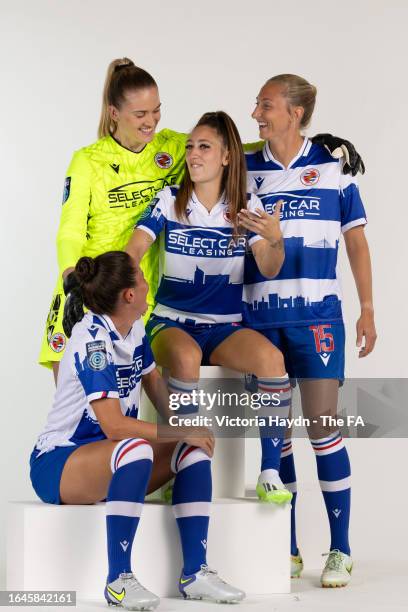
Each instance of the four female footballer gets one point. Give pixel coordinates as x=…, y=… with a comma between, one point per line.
x=109, y=184
x=300, y=310
x=197, y=317
x=95, y=448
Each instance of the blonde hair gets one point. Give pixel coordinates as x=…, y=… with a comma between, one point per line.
x=122, y=76
x=298, y=92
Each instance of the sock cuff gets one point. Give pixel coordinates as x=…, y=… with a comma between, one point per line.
x=127, y=451
x=286, y=448
x=181, y=386
x=185, y=455
x=328, y=445
x=274, y=386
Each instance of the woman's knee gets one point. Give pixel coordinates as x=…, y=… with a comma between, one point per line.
x=184, y=361
x=268, y=361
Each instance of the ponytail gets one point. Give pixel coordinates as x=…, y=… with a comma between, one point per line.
x=122, y=76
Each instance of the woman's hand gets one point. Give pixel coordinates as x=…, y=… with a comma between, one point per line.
x=365, y=328
x=265, y=225
x=201, y=437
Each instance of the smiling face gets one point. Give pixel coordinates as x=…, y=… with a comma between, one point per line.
x=275, y=117
x=137, y=117
x=206, y=155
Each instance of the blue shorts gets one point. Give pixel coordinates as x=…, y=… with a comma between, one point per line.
x=207, y=335
x=46, y=471
x=313, y=351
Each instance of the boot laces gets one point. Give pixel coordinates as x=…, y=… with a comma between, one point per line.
x=132, y=583
x=335, y=560
x=208, y=571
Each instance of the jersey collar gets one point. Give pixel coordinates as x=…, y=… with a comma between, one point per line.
x=107, y=323
x=303, y=152
x=122, y=148
x=203, y=210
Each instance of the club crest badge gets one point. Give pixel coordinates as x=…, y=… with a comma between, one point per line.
x=163, y=160
x=310, y=176
x=58, y=342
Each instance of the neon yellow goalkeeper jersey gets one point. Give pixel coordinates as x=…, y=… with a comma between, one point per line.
x=106, y=190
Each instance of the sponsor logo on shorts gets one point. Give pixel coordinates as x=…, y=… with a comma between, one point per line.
x=67, y=189
x=163, y=160
x=96, y=354
x=310, y=176
x=58, y=342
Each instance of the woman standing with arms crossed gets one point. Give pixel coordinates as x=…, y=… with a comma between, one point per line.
x=110, y=183
x=300, y=310
x=94, y=447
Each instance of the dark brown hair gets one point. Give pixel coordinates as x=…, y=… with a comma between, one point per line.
x=234, y=179
x=298, y=92
x=122, y=76
x=102, y=279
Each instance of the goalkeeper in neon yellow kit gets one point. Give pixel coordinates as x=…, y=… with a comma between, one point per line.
x=110, y=183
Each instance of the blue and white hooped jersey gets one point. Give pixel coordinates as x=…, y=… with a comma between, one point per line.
x=319, y=203
x=97, y=363
x=201, y=268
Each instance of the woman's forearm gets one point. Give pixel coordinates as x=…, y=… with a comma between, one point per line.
x=138, y=244
x=156, y=390
x=269, y=256
x=360, y=263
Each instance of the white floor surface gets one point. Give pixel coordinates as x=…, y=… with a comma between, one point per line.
x=374, y=586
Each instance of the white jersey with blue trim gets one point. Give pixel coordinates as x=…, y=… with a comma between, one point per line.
x=98, y=363
x=201, y=267
x=319, y=203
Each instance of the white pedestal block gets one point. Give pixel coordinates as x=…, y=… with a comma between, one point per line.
x=228, y=463
x=64, y=547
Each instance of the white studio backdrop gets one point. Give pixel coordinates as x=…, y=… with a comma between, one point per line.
x=204, y=56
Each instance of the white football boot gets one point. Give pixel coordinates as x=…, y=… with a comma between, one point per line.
x=206, y=584
x=337, y=570
x=127, y=592
x=296, y=565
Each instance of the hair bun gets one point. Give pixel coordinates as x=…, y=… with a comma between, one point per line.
x=85, y=270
